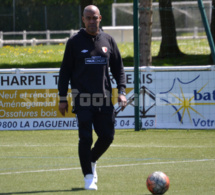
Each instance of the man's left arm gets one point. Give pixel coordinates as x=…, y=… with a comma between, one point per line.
x=118, y=72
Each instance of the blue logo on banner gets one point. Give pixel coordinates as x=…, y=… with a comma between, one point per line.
x=186, y=104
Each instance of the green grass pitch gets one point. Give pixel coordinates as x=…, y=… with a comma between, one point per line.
x=46, y=162
x=43, y=56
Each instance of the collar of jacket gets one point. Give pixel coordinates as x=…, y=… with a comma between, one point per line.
x=84, y=33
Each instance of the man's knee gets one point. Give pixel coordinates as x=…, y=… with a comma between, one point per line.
x=106, y=140
x=85, y=134
x=86, y=140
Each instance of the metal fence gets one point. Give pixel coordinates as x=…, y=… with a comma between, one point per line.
x=121, y=34
x=40, y=18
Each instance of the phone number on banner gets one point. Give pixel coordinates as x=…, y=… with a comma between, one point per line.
x=129, y=123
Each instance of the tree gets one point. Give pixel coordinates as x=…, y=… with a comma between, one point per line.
x=169, y=46
x=145, y=32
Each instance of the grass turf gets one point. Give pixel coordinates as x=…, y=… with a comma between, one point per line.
x=46, y=162
x=42, y=56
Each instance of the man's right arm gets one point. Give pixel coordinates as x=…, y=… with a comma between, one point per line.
x=64, y=78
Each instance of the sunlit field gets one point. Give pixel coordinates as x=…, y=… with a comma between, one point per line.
x=24, y=55
x=46, y=162
x=51, y=55
x=189, y=47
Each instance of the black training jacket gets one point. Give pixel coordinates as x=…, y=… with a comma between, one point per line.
x=86, y=62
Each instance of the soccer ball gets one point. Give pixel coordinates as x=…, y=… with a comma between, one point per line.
x=157, y=183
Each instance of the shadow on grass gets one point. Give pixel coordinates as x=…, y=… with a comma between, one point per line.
x=32, y=65
x=43, y=191
x=184, y=60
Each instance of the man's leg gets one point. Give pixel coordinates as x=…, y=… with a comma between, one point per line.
x=104, y=128
x=85, y=118
x=85, y=142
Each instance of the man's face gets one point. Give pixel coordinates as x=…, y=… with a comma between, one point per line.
x=92, y=19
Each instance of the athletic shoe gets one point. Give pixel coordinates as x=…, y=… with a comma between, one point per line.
x=94, y=172
x=89, y=182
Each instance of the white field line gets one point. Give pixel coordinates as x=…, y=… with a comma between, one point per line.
x=161, y=146
x=109, y=166
x=37, y=145
x=113, y=145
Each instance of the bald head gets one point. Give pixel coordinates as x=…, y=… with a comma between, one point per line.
x=91, y=8
x=91, y=19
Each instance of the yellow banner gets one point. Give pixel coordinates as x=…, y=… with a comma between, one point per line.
x=35, y=103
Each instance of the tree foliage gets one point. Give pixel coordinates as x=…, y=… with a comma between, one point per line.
x=56, y=2
x=33, y=15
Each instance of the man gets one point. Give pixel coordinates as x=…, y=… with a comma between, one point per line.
x=88, y=56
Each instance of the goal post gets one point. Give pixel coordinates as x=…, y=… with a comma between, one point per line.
x=136, y=66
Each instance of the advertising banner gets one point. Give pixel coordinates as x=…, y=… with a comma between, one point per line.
x=185, y=100
x=30, y=102
x=182, y=100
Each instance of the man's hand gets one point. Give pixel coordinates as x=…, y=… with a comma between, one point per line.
x=122, y=101
x=63, y=107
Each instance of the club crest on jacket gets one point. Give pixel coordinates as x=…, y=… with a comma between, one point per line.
x=104, y=49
